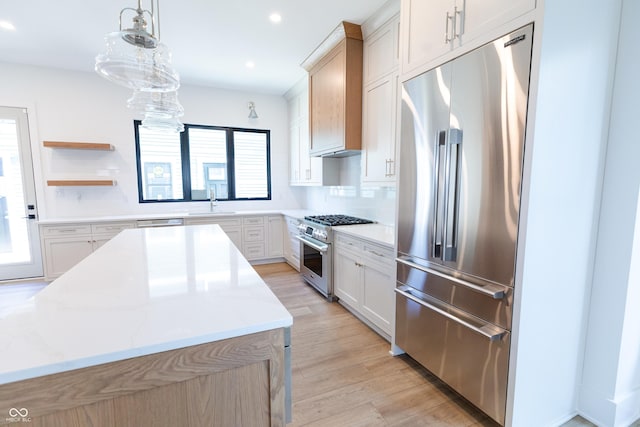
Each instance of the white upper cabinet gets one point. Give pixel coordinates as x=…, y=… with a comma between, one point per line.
x=478, y=16
x=303, y=169
x=381, y=51
x=380, y=101
x=433, y=28
x=422, y=31
x=379, y=132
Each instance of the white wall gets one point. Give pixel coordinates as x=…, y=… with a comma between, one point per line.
x=574, y=58
x=610, y=393
x=79, y=106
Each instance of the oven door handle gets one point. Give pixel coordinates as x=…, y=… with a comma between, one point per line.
x=321, y=248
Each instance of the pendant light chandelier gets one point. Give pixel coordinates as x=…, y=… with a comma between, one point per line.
x=161, y=109
x=136, y=58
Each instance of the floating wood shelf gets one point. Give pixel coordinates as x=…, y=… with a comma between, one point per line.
x=79, y=145
x=81, y=182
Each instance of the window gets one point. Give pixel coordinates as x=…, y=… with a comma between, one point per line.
x=228, y=163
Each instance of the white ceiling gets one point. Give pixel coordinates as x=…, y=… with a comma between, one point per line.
x=211, y=40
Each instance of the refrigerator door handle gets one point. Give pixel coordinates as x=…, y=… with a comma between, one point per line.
x=493, y=291
x=437, y=226
x=452, y=195
x=488, y=330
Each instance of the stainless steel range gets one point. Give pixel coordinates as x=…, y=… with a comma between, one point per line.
x=316, y=253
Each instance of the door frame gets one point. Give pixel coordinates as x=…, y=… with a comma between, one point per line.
x=31, y=178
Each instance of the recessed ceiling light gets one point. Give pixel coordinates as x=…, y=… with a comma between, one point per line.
x=6, y=25
x=275, y=18
x=249, y=64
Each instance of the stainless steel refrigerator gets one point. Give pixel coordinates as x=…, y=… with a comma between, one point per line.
x=461, y=155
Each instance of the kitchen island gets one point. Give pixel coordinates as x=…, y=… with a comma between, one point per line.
x=162, y=326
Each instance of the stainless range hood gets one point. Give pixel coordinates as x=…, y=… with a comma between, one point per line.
x=340, y=154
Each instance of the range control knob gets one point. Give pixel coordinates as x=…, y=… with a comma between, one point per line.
x=320, y=234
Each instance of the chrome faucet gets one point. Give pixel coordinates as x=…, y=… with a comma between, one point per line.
x=212, y=200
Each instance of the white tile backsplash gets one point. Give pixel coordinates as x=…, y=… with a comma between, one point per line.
x=351, y=198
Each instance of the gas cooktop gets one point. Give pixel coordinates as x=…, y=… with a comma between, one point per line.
x=333, y=220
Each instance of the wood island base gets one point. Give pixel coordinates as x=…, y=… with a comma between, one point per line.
x=233, y=382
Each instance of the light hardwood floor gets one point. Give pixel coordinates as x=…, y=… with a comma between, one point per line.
x=343, y=374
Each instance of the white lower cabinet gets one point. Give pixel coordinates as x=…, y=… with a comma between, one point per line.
x=378, y=301
x=348, y=277
x=253, y=238
x=291, y=245
x=232, y=226
x=275, y=240
x=62, y=253
x=364, y=279
x=66, y=245
x=258, y=237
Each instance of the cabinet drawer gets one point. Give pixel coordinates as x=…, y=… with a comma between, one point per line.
x=347, y=242
x=66, y=230
x=230, y=222
x=445, y=341
x=254, y=220
x=253, y=234
x=253, y=250
x=111, y=228
x=460, y=294
x=378, y=252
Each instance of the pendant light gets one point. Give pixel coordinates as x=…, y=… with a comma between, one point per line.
x=160, y=109
x=136, y=58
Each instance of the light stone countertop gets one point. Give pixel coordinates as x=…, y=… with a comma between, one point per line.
x=296, y=213
x=145, y=291
x=378, y=233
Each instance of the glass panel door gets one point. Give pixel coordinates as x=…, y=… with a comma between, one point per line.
x=20, y=255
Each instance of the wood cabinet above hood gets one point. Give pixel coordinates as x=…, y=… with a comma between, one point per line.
x=335, y=93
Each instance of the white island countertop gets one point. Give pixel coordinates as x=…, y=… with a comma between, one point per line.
x=145, y=291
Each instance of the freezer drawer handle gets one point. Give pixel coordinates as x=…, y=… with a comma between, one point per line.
x=492, y=291
x=486, y=330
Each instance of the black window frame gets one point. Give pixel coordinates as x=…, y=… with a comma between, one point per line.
x=186, y=164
